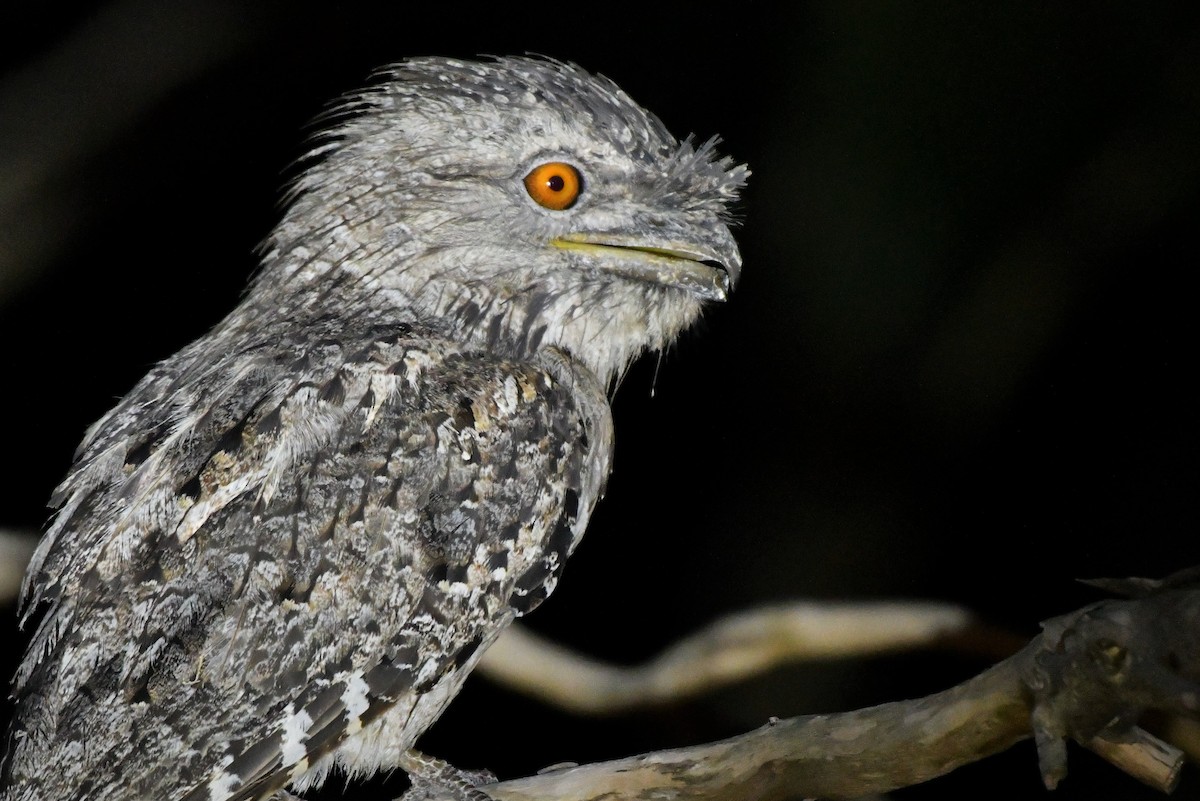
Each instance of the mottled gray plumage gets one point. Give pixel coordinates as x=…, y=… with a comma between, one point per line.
x=287, y=546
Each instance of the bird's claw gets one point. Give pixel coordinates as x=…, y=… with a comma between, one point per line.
x=435, y=779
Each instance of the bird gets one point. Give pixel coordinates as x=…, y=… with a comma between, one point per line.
x=281, y=553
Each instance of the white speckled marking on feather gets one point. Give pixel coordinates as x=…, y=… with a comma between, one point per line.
x=295, y=729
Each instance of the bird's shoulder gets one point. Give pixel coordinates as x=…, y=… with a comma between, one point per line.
x=221, y=419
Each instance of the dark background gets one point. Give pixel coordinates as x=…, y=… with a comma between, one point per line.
x=959, y=365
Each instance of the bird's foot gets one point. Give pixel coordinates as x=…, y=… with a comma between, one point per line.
x=1101, y=668
x=435, y=779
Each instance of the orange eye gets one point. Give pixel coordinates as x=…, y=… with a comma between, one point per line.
x=554, y=185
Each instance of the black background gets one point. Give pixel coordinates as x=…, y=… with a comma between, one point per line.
x=959, y=365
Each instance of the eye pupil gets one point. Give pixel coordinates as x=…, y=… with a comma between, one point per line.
x=555, y=185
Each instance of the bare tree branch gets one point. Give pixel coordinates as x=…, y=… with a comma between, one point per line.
x=835, y=756
x=732, y=648
x=1088, y=677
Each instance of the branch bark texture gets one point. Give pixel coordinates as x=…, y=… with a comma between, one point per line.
x=1088, y=677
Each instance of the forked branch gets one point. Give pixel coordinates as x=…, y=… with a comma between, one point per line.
x=1087, y=677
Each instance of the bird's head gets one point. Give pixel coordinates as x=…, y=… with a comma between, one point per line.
x=518, y=203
